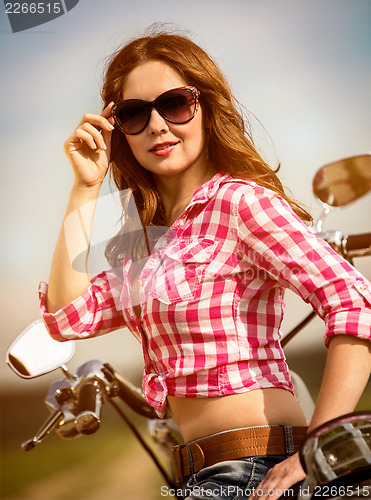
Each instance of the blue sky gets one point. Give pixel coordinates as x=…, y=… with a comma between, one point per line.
x=302, y=67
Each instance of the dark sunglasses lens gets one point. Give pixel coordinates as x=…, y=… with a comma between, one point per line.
x=177, y=107
x=132, y=117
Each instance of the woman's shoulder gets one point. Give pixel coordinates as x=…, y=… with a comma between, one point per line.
x=248, y=199
x=236, y=188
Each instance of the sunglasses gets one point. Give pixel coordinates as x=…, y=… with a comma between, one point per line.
x=175, y=106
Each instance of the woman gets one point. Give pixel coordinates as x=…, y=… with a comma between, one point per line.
x=204, y=297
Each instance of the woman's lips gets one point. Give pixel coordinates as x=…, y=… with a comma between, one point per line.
x=164, y=148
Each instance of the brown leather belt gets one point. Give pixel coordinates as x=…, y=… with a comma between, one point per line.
x=229, y=445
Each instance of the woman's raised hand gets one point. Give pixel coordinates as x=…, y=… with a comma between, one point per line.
x=89, y=147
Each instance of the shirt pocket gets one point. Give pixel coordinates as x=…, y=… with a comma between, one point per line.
x=180, y=270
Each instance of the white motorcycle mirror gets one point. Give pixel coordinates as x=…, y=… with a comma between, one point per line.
x=342, y=182
x=34, y=353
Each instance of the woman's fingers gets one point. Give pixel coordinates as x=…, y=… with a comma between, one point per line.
x=279, y=479
x=91, y=135
x=98, y=121
x=107, y=112
x=85, y=137
x=88, y=147
x=91, y=128
x=104, y=121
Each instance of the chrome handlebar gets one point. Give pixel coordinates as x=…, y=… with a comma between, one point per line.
x=54, y=419
x=76, y=402
x=348, y=246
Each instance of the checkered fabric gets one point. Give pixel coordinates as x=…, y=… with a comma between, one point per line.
x=211, y=295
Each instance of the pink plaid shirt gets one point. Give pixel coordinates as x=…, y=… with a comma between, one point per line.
x=211, y=295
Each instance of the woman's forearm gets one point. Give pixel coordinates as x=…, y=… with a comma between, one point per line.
x=88, y=151
x=346, y=374
x=65, y=282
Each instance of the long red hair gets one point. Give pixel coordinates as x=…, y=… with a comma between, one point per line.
x=229, y=146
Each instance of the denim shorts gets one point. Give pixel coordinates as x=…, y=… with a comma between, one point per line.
x=229, y=480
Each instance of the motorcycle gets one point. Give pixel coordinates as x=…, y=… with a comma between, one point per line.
x=335, y=456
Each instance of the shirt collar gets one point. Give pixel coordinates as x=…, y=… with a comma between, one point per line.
x=207, y=190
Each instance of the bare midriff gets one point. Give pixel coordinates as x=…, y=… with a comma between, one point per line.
x=200, y=417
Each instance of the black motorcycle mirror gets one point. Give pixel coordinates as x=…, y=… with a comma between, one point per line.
x=342, y=182
x=337, y=457
x=34, y=352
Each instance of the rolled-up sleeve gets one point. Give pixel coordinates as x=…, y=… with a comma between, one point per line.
x=346, y=308
x=278, y=242
x=96, y=312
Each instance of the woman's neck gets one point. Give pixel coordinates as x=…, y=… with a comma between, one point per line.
x=177, y=191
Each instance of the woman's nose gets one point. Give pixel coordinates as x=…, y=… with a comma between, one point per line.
x=157, y=124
